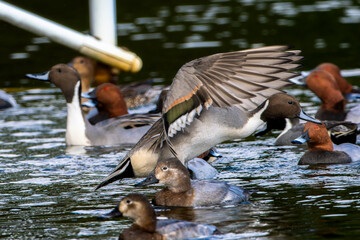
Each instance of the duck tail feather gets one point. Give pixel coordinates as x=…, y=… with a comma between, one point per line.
x=122, y=171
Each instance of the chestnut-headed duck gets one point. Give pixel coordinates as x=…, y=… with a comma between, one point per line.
x=180, y=191
x=79, y=131
x=146, y=226
x=344, y=86
x=322, y=150
x=108, y=100
x=324, y=85
x=339, y=131
x=214, y=99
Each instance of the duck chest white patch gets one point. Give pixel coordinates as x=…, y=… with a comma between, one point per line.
x=288, y=126
x=75, y=125
x=143, y=162
x=254, y=123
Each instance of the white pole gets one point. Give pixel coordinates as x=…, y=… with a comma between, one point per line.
x=103, y=20
x=85, y=44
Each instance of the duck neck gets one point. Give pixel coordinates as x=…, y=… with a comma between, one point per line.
x=147, y=220
x=85, y=83
x=325, y=145
x=118, y=108
x=289, y=123
x=338, y=107
x=181, y=184
x=76, y=123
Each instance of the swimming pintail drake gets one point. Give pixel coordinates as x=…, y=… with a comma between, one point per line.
x=339, y=131
x=180, y=191
x=322, y=150
x=115, y=131
x=324, y=85
x=213, y=99
x=146, y=226
x=108, y=100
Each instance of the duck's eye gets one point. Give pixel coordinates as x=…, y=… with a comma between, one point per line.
x=290, y=102
x=81, y=61
x=59, y=70
x=164, y=168
x=128, y=201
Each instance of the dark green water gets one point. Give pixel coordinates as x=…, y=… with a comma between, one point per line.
x=46, y=189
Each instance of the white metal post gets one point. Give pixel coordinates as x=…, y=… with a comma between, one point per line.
x=103, y=20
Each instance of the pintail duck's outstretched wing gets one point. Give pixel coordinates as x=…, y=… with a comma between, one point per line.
x=149, y=139
x=243, y=78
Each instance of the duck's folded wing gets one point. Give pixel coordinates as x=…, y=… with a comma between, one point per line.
x=243, y=78
x=149, y=140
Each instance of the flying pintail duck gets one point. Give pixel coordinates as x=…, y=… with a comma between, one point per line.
x=180, y=191
x=108, y=100
x=322, y=150
x=126, y=129
x=213, y=99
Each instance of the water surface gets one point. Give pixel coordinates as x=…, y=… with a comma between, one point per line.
x=46, y=188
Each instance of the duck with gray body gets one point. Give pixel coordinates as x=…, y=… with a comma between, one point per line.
x=213, y=99
x=180, y=191
x=78, y=130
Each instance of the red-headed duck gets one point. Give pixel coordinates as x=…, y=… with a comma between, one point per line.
x=180, y=191
x=146, y=226
x=108, y=100
x=339, y=131
x=213, y=99
x=324, y=85
x=344, y=86
x=322, y=150
x=78, y=130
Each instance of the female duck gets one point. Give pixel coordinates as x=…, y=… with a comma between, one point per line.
x=213, y=99
x=138, y=208
x=79, y=131
x=322, y=150
x=180, y=191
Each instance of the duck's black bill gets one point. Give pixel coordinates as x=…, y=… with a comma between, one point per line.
x=302, y=115
x=114, y=213
x=89, y=95
x=302, y=139
x=89, y=104
x=40, y=76
x=151, y=179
